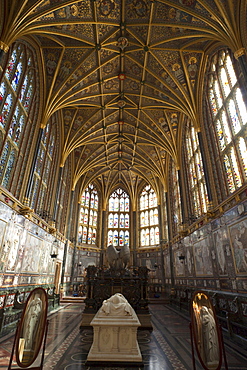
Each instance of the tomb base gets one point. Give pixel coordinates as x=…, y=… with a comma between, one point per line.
x=115, y=337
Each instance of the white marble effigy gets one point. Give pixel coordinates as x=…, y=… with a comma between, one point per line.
x=115, y=333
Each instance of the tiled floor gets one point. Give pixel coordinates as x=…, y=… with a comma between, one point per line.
x=166, y=347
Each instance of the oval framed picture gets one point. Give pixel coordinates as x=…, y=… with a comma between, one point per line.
x=205, y=332
x=31, y=328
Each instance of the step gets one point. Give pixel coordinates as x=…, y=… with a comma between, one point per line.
x=72, y=300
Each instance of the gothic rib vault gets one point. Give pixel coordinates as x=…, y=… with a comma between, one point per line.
x=124, y=77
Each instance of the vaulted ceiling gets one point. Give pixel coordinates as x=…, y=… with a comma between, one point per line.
x=124, y=76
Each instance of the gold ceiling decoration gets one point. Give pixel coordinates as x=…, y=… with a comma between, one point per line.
x=125, y=74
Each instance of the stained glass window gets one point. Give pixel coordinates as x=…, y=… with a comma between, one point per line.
x=229, y=116
x=197, y=184
x=118, y=218
x=88, y=216
x=42, y=170
x=149, y=221
x=17, y=91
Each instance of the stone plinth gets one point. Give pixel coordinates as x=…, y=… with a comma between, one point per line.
x=115, y=334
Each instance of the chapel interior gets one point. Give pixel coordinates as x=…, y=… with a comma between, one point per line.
x=123, y=125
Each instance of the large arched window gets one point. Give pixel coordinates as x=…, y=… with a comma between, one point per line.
x=17, y=93
x=197, y=185
x=42, y=170
x=118, y=218
x=229, y=116
x=149, y=219
x=88, y=216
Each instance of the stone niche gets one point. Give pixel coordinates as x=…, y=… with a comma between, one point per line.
x=115, y=334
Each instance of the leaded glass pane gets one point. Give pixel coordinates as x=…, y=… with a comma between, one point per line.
x=121, y=238
x=89, y=238
x=142, y=219
x=121, y=221
x=84, y=236
x=9, y=169
x=94, y=236
x=229, y=174
x=115, y=238
x=143, y=238
x=95, y=217
x=243, y=154
x=152, y=239
x=157, y=235
x=234, y=116
x=126, y=221
x=4, y=159
x=224, y=82
x=91, y=217
x=110, y=237
x=241, y=106
x=235, y=168
x=85, y=218
x=224, y=125
x=231, y=72
x=127, y=204
x=126, y=238
x=116, y=220
x=110, y=220
x=217, y=94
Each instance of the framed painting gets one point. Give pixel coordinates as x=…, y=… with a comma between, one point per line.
x=238, y=240
x=202, y=258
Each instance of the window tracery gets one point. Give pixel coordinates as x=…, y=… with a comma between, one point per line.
x=118, y=218
x=196, y=177
x=87, y=232
x=43, y=167
x=17, y=88
x=229, y=116
x=149, y=220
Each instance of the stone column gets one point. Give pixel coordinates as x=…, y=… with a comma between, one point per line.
x=67, y=237
x=161, y=228
x=168, y=209
x=103, y=234
x=181, y=195
x=75, y=243
x=134, y=215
